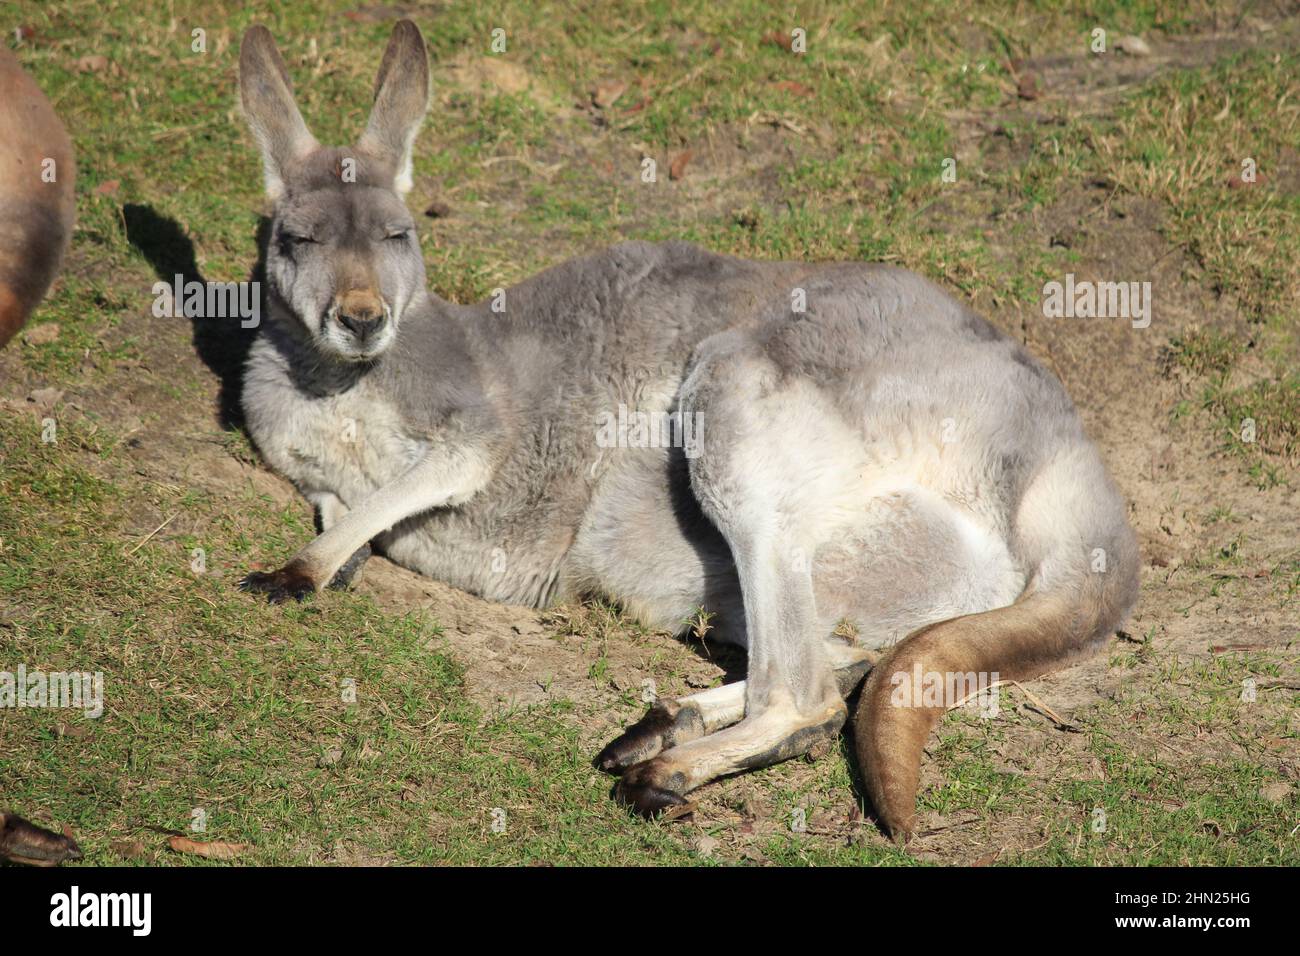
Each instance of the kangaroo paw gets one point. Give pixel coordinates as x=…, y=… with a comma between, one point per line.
x=290, y=581
x=666, y=724
x=653, y=793
x=350, y=573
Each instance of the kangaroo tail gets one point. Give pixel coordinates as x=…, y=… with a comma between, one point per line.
x=1083, y=587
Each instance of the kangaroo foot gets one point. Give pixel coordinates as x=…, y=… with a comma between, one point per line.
x=666, y=723
x=279, y=586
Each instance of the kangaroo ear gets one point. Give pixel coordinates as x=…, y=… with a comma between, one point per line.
x=267, y=95
x=401, y=100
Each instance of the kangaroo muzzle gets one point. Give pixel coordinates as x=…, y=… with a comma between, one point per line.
x=362, y=312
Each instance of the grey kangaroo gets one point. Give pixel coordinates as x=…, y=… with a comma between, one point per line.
x=845, y=442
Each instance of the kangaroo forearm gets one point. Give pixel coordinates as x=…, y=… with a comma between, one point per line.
x=448, y=479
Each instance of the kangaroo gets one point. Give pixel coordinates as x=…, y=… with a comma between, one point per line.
x=36, y=195
x=881, y=456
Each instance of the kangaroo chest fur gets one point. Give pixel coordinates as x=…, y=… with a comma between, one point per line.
x=542, y=375
x=353, y=438
x=346, y=444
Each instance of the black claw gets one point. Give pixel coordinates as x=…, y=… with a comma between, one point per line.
x=653, y=790
x=279, y=586
x=632, y=746
x=651, y=801
x=607, y=760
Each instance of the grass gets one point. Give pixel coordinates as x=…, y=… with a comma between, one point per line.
x=1258, y=421
x=220, y=705
x=216, y=706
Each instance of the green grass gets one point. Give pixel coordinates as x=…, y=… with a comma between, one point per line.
x=1257, y=421
x=220, y=705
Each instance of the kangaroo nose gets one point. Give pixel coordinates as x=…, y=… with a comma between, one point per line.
x=361, y=312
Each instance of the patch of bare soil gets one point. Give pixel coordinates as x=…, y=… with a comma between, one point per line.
x=1094, y=82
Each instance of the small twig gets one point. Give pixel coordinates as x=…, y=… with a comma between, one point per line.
x=682, y=80
x=1061, y=722
x=1273, y=683
x=151, y=534
x=545, y=171
x=978, y=693
x=770, y=118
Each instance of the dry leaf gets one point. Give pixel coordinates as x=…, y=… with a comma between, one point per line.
x=128, y=849
x=784, y=41
x=1236, y=182
x=210, y=851
x=1133, y=46
x=705, y=845
x=95, y=63
x=76, y=731
x=107, y=188
x=606, y=94
x=680, y=811
x=677, y=168
x=1027, y=87
x=790, y=86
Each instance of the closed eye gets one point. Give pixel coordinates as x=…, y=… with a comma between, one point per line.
x=398, y=235
x=296, y=239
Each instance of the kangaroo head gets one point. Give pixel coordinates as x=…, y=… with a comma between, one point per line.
x=343, y=254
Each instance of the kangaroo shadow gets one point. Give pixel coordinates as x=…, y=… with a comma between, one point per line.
x=221, y=343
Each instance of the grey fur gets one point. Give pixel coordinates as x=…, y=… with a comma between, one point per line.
x=886, y=456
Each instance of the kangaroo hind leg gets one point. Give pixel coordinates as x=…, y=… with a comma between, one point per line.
x=673, y=721
x=772, y=472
